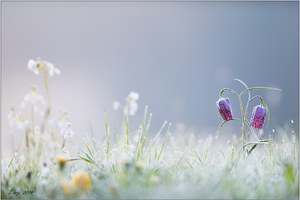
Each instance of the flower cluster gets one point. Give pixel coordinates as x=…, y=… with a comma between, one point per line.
x=41, y=66
x=17, y=119
x=258, y=117
x=258, y=114
x=131, y=105
x=42, y=129
x=33, y=98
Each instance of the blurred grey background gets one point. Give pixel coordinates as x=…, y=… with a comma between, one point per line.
x=176, y=55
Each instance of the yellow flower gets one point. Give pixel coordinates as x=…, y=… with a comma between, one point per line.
x=81, y=181
x=61, y=160
x=67, y=189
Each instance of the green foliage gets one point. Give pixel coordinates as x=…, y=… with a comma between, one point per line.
x=171, y=164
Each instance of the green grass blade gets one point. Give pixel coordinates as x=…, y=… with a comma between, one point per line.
x=259, y=88
x=165, y=140
x=224, y=122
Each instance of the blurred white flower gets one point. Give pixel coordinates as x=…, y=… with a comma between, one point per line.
x=128, y=155
x=39, y=65
x=110, y=162
x=33, y=97
x=66, y=130
x=131, y=103
x=44, y=170
x=44, y=173
x=131, y=148
x=34, y=66
x=133, y=96
x=116, y=105
x=16, y=119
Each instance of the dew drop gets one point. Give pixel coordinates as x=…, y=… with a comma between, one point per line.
x=273, y=130
x=292, y=121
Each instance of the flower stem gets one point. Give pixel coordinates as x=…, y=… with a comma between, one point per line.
x=46, y=85
x=126, y=131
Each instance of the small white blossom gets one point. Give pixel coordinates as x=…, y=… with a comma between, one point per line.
x=45, y=170
x=66, y=130
x=39, y=65
x=32, y=66
x=128, y=155
x=116, y=105
x=131, y=148
x=133, y=96
x=52, y=70
x=33, y=98
x=110, y=162
x=17, y=119
x=131, y=106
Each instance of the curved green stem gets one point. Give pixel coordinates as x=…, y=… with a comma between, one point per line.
x=246, y=86
x=249, y=97
x=227, y=89
x=224, y=122
x=259, y=88
x=241, y=108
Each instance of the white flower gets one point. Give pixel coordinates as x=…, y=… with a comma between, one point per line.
x=131, y=103
x=66, y=130
x=131, y=148
x=39, y=65
x=45, y=170
x=133, y=96
x=32, y=66
x=128, y=155
x=116, y=105
x=33, y=98
x=110, y=162
x=16, y=119
x=52, y=70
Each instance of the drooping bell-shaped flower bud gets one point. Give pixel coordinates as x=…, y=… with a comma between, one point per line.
x=224, y=107
x=258, y=116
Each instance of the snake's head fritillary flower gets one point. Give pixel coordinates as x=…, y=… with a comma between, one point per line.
x=258, y=116
x=224, y=107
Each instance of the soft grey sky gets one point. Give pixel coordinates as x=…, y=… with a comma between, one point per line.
x=176, y=55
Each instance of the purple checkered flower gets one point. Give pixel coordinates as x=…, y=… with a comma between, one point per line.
x=224, y=107
x=258, y=116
